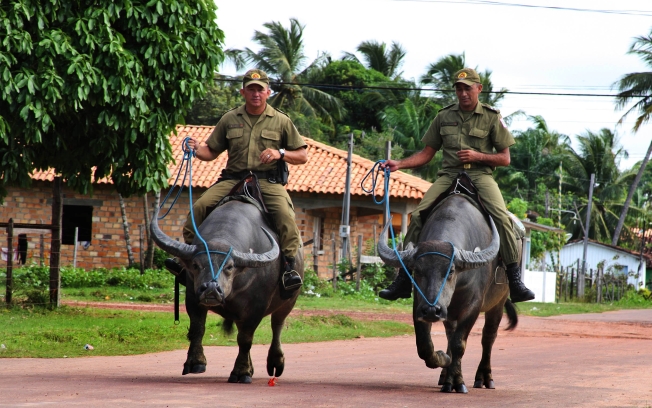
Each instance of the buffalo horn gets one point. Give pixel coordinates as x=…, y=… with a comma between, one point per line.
x=389, y=256
x=465, y=260
x=172, y=247
x=257, y=260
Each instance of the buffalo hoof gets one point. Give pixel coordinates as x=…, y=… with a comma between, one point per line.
x=488, y=384
x=275, y=371
x=242, y=379
x=461, y=388
x=193, y=369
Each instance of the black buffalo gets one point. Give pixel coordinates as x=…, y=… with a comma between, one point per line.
x=474, y=285
x=246, y=290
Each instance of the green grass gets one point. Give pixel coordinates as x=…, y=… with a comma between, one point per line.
x=64, y=333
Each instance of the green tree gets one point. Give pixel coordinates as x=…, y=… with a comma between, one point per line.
x=637, y=85
x=222, y=95
x=95, y=86
x=281, y=56
x=441, y=74
x=599, y=153
x=378, y=57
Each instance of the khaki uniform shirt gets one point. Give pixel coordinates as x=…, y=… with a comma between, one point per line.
x=483, y=132
x=245, y=142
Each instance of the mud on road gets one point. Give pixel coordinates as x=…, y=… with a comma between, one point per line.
x=590, y=360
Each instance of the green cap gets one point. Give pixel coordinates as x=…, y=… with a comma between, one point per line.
x=255, y=76
x=467, y=76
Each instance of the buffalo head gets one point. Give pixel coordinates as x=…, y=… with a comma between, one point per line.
x=208, y=290
x=432, y=268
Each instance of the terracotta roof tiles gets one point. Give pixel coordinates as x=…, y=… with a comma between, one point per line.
x=325, y=171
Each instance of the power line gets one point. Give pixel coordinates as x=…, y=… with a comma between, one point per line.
x=642, y=13
x=400, y=88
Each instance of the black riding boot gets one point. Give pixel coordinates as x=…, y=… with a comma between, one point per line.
x=291, y=279
x=400, y=288
x=518, y=292
x=175, y=268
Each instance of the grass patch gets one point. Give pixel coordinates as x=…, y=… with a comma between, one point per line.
x=41, y=333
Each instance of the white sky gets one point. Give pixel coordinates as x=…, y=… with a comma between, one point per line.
x=528, y=49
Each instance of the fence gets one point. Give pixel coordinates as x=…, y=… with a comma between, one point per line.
x=598, y=286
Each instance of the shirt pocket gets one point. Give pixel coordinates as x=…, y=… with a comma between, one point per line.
x=235, y=138
x=478, y=139
x=450, y=136
x=271, y=139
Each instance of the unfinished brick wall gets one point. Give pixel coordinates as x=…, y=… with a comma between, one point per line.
x=108, y=247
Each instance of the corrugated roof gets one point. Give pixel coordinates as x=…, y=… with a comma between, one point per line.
x=325, y=171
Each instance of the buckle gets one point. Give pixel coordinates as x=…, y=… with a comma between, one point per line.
x=271, y=180
x=467, y=165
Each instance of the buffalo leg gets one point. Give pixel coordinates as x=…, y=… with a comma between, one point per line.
x=275, y=356
x=450, y=328
x=196, y=360
x=243, y=369
x=489, y=333
x=425, y=348
x=457, y=343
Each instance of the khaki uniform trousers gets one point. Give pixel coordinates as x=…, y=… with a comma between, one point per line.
x=493, y=202
x=278, y=204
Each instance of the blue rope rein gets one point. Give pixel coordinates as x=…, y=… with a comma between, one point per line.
x=374, y=173
x=188, y=155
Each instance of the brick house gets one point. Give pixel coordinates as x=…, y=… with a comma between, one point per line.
x=317, y=190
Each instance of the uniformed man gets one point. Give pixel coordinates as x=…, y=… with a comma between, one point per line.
x=473, y=138
x=256, y=136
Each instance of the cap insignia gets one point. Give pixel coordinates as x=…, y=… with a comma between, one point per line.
x=255, y=75
x=462, y=75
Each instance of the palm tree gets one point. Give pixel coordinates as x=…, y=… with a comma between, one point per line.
x=598, y=153
x=637, y=85
x=408, y=123
x=281, y=56
x=442, y=72
x=377, y=57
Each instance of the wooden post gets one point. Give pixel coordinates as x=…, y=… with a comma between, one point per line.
x=142, y=245
x=55, y=246
x=334, y=248
x=316, y=244
x=10, y=261
x=74, y=252
x=572, y=283
x=375, y=242
x=357, y=277
x=42, y=250
x=598, y=278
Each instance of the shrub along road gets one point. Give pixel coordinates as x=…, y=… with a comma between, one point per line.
x=590, y=360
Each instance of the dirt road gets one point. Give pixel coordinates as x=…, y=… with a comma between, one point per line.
x=591, y=360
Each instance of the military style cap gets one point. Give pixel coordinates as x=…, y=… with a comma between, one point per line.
x=467, y=76
x=255, y=76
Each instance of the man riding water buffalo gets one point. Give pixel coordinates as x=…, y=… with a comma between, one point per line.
x=256, y=136
x=473, y=138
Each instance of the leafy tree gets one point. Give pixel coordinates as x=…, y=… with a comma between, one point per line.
x=408, y=122
x=598, y=153
x=222, y=95
x=631, y=86
x=96, y=86
x=441, y=74
x=378, y=57
x=281, y=56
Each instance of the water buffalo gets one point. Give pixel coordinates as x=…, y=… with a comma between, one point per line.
x=449, y=254
x=246, y=289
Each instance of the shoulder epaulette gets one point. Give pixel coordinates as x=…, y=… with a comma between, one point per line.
x=281, y=111
x=446, y=107
x=491, y=108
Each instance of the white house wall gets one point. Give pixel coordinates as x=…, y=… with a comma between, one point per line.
x=595, y=254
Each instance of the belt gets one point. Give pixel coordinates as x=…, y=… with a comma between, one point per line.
x=269, y=175
x=467, y=166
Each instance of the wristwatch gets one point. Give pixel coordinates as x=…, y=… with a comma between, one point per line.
x=282, y=152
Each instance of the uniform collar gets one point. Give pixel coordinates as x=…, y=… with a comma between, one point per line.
x=478, y=108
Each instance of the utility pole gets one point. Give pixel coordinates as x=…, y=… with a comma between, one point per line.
x=345, y=228
x=580, y=283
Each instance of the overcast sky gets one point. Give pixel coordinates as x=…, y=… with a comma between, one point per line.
x=529, y=49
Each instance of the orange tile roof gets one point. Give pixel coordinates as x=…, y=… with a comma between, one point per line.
x=325, y=171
